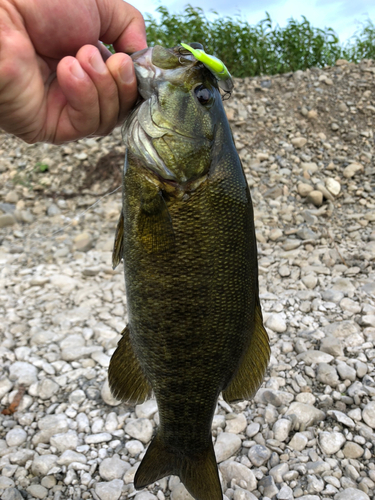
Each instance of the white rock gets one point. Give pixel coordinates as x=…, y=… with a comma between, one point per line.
x=281, y=429
x=146, y=409
x=70, y=456
x=65, y=441
x=331, y=442
x=342, y=418
x=259, y=454
x=352, y=169
x=333, y=186
x=368, y=414
x=101, y=437
x=47, y=388
x=109, y=491
x=140, y=428
x=134, y=447
x=226, y=445
x=24, y=373
x=352, y=494
x=240, y=494
x=50, y=425
x=314, y=356
x=5, y=386
x=77, y=397
x=37, y=491
x=42, y=464
x=276, y=323
x=179, y=492
x=107, y=395
x=298, y=441
x=306, y=415
x=236, y=425
x=113, y=468
x=16, y=436
x=234, y=470
x=6, y=482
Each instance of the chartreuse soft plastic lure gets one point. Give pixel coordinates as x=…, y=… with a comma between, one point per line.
x=217, y=67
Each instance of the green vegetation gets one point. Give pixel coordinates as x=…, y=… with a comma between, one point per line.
x=262, y=49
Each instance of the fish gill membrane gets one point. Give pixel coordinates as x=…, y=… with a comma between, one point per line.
x=186, y=236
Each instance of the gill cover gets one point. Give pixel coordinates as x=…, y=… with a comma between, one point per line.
x=217, y=67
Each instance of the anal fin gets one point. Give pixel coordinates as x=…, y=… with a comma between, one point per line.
x=254, y=363
x=125, y=376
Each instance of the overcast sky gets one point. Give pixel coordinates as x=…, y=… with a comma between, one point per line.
x=343, y=16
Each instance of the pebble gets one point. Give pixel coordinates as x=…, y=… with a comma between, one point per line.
x=42, y=464
x=352, y=450
x=238, y=472
x=352, y=494
x=327, y=374
x=140, y=429
x=352, y=169
x=276, y=323
x=37, y=491
x=259, y=455
x=236, y=425
x=331, y=442
x=298, y=441
x=109, y=490
x=226, y=445
x=333, y=186
x=281, y=429
x=16, y=436
x=83, y=242
x=11, y=494
x=368, y=414
x=315, y=197
x=22, y=372
x=113, y=468
x=305, y=414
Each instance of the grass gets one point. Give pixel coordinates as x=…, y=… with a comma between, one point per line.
x=261, y=49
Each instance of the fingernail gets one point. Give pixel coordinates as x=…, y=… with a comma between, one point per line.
x=77, y=71
x=97, y=63
x=127, y=72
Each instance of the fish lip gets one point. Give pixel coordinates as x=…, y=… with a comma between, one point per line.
x=145, y=71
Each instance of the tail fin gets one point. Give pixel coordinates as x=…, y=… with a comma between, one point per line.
x=198, y=472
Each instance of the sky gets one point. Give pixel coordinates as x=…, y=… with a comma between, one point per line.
x=344, y=16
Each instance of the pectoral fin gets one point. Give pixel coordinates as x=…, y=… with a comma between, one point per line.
x=125, y=376
x=254, y=363
x=155, y=224
x=118, y=246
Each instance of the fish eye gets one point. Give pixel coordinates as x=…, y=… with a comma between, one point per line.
x=203, y=94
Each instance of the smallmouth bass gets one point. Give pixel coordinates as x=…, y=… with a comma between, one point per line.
x=186, y=234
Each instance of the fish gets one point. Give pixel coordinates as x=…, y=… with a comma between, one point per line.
x=186, y=236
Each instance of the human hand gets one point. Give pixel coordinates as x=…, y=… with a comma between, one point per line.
x=54, y=84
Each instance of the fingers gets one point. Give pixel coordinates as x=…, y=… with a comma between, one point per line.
x=97, y=95
x=122, y=70
x=123, y=26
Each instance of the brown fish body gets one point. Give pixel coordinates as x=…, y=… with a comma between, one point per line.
x=195, y=326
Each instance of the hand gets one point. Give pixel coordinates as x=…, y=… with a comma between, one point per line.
x=57, y=81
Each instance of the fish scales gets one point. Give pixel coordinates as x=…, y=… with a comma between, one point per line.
x=191, y=274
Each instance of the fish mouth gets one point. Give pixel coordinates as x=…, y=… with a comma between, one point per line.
x=146, y=72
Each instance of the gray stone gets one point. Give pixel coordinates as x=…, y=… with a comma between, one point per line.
x=306, y=415
x=346, y=372
x=314, y=356
x=113, y=468
x=252, y=429
x=331, y=442
x=259, y=455
x=269, y=487
x=278, y=471
x=53, y=210
x=24, y=373
x=368, y=414
x=5, y=386
x=7, y=220
x=276, y=323
x=332, y=296
x=352, y=169
x=78, y=352
x=342, y=418
x=146, y=409
x=236, y=425
x=179, y=492
x=77, y=397
x=140, y=428
x=134, y=447
x=107, y=396
x=50, y=425
x=47, y=388
x=327, y=374
x=83, y=242
x=226, y=445
x=101, y=437
x=11, y=494
x=298, y=441
x=146, y=495
x=65, y=441
x=240, y=494
x=16, y=436
x=352, y=450
x=332, y=345
x=37, y=491
x=109, y=490
x=70, y=456
x=281, y=429
x=352, y=494
x=42, y=464
x=6, y=482
x=238, y=472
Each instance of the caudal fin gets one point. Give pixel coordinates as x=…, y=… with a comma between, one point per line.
x=198, y=471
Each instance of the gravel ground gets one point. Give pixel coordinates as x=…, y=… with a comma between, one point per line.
x=307, y=143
